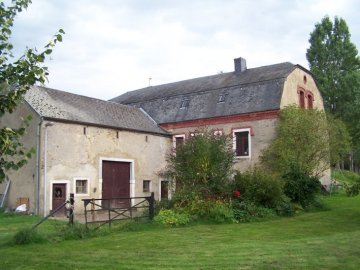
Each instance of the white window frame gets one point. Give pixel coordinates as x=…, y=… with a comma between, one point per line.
x=177, y=136
x=88, y=186
x=249, y=140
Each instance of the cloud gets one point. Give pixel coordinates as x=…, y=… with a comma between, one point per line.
x=114, y=46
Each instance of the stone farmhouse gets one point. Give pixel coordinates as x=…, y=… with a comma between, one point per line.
x=101, y=149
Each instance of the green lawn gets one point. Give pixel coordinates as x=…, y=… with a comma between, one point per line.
x=316, y=240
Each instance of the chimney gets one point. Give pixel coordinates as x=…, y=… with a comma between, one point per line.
x=240, y=64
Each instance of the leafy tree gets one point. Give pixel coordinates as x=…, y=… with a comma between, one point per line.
x=16, y=77
x=202, y=166
x=303, y=141
x=334, y=61
x=340, y=140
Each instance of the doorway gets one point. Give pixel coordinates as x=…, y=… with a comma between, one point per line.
x=116, y=183
x=59, y=198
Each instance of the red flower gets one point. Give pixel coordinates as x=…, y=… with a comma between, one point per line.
x=236, y=193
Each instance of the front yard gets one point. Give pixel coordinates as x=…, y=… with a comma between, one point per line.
x=328, y=239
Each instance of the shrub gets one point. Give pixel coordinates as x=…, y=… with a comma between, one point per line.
x=210, y=209
x=246, y=211
x=284, y=207
x=170, y=217
x=352, y=190
x=163, y=204
x=27, y=236
x=310, y=149
x=219, y=212
x=259, y=187
x=300, y=187
x=202, y=165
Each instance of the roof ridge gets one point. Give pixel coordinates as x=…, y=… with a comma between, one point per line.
x=83, y=96
x=230, y=79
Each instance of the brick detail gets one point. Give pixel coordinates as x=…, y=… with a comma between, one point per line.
x=223, y=120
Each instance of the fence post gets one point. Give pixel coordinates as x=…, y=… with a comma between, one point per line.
x=109, y=203
x=85, y=205
x=71, y=212
x=151, y=206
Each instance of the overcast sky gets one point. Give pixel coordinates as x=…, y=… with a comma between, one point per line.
x=114, y=46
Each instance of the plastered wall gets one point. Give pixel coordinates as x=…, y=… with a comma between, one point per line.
x=76, y=152
x=23, y=181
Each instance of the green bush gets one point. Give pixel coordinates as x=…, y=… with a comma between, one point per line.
x=285, y=207
x=209, y=209
x=300, y=187
x=163, y=204
x=202, y=165
x=260, y=187
x=170, y=217
x=219, y=212
x=352, y=190
x=27, y=236
x=246, y=211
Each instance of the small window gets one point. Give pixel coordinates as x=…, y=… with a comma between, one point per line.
x=222, y=98
x=242, y=142
x=146, y=185
x=81, y=186
x=178, y=140
x=184, y=103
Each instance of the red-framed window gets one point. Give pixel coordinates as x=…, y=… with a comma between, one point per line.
x=302, y=98
x=310, y=100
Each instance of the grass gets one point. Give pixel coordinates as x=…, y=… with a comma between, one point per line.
x=315, y=240
x=345, y=176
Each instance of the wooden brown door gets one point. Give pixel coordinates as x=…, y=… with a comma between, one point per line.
x=58, y=198
x=116, y=183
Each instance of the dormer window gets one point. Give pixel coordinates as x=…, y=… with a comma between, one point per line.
x=184, y=103
x=222, y=98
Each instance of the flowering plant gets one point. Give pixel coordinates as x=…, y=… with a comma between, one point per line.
x=236, y=193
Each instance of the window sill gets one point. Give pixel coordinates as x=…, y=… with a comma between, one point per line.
x=81, y=195
x=242, y=157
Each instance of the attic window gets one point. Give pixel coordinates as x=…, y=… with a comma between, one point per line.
x=304, y=79
x=184, y=103
x=222, y=98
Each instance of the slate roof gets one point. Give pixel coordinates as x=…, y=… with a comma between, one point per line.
x=253, y=90
x=60, y=105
